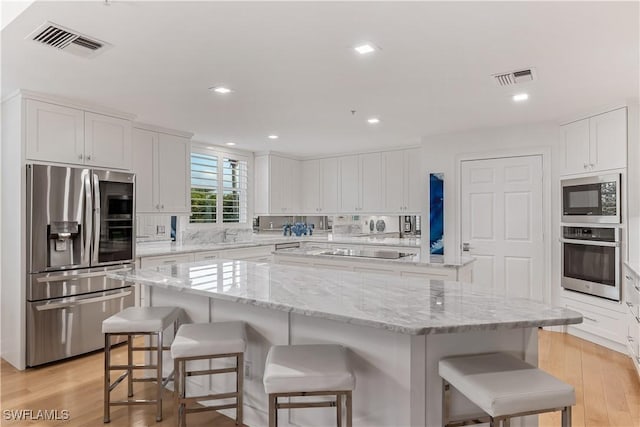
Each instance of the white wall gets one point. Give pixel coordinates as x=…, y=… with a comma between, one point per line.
x=443, y=153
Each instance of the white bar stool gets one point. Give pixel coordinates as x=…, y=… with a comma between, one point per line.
x=198, y=341
x=308, y=370
x=134, y=321
x=504, y=387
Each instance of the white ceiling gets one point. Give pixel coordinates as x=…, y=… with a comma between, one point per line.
x=294, y=72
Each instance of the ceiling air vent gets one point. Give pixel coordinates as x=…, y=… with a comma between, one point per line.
x=514, y=77
x=54, y=35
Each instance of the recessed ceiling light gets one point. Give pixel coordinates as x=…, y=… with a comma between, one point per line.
x=230, y=143
x=373, y=120
x=273, y=136
x=220, y=89
x=363, y=49
x=520, y=97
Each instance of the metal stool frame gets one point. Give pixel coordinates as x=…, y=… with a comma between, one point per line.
x=130, y=367
x=274, y=405
x=503, y=420
x=181, y=374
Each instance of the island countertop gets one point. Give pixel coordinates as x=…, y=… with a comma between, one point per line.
x=404, y=305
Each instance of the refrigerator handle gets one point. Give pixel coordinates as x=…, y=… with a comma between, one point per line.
x=96, y=219
x=88, y=220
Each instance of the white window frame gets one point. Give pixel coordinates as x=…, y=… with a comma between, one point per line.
x=221, y=153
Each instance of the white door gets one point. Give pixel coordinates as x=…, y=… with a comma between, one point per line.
x=349, y=184
x=609, y=140
x=501, y=213
x=394, y=181
x=575, y=148
x=310, y=187
x=144, y=166
x=329, y=185
x=413, y=182
x=371, y=183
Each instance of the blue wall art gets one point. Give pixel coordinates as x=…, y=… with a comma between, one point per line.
x=436, y=213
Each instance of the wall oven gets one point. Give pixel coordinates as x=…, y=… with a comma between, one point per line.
x=591, y=261
x=594, y=199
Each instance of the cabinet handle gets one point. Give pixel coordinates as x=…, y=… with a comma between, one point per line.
x=80, y=156
x=637, y=319
x=637, y=287
x=589, y=318
x=629, y=338
x=628, y=277
x=629, y=304
x=584, y=166
x=162, y=207
x=88, y=156
x=593, y=165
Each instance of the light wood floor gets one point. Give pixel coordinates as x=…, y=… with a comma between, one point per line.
x=607, y=388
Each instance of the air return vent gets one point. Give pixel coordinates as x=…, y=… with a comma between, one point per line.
x=59, y=37
x=514, y=77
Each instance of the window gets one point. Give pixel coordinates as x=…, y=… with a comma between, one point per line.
x=218, y=188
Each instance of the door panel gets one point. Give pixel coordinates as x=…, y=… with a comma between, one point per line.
x=329, y=186
x=107, y=141
x=174, y=174
x=501, y=213
x=54, y=133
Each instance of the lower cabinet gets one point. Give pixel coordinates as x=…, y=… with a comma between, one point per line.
x=631, y=292
x=603, y=322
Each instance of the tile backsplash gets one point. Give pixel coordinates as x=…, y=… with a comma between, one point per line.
x=158, y=227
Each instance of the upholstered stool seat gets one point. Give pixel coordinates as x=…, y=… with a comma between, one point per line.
x=205, y=341
x=504, y=386
x=308, y=370
x=141, y=319
x=132, y=321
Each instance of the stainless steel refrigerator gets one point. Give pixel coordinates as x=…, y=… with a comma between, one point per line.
x=80, y=224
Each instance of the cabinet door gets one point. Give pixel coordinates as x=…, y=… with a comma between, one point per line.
x=54, y=133
x=278, y=184
x=261, y=185
x=609, y=140
x=394, y=181
x=293, y=195
x=144, y=161
x=414, y=183
x=371, y=182
x=174, y=174
x=575, y=148
x=349, y=184
x=310, y=186
x=107, y=141
x=328, y=186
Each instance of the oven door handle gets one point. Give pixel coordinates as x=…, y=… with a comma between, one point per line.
x=59, y=305
x=591, y=243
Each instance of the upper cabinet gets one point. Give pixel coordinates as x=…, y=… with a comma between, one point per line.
x=161, y=162
x=360, y=183
x=402, y=181
x=319, y=186
x=278, y=185
x=55, y=133
x=597, y=143
x=107, y=141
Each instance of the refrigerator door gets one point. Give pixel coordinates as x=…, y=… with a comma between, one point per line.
x=59, y=220
x=65, y=327
x=114, y=217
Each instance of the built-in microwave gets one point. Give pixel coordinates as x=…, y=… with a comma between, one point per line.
x=594, y=199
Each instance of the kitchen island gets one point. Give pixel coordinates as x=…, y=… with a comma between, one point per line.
x=396, y=329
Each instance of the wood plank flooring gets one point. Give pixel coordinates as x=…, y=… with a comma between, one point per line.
x=607, y=389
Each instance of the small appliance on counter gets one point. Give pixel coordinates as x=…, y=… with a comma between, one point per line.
x=409, y=225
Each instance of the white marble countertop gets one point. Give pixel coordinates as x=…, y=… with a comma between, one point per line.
x=403, y=305
x=634, y=266
x=414, y=260
x=145, y=249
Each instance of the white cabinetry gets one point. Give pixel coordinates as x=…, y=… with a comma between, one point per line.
x=402, y=181
x=361, y=183
x=595, y=144
x=277, y=184
x=161, y=162
x=54, y=133
x=319, y=186
x=57, y=133
x=107, y=141
x=631, y=291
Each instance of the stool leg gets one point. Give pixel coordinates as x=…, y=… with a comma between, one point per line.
x=176, y=390
x=130, y=363
x=566, y=416
x=273, y=411
x=159, y=378
x=506, y=422
x=339, y=409
x=183, y=393
x=493, y=423
x=349, y=410
x=239, y=387
x=107, y=377
x=445, y=415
